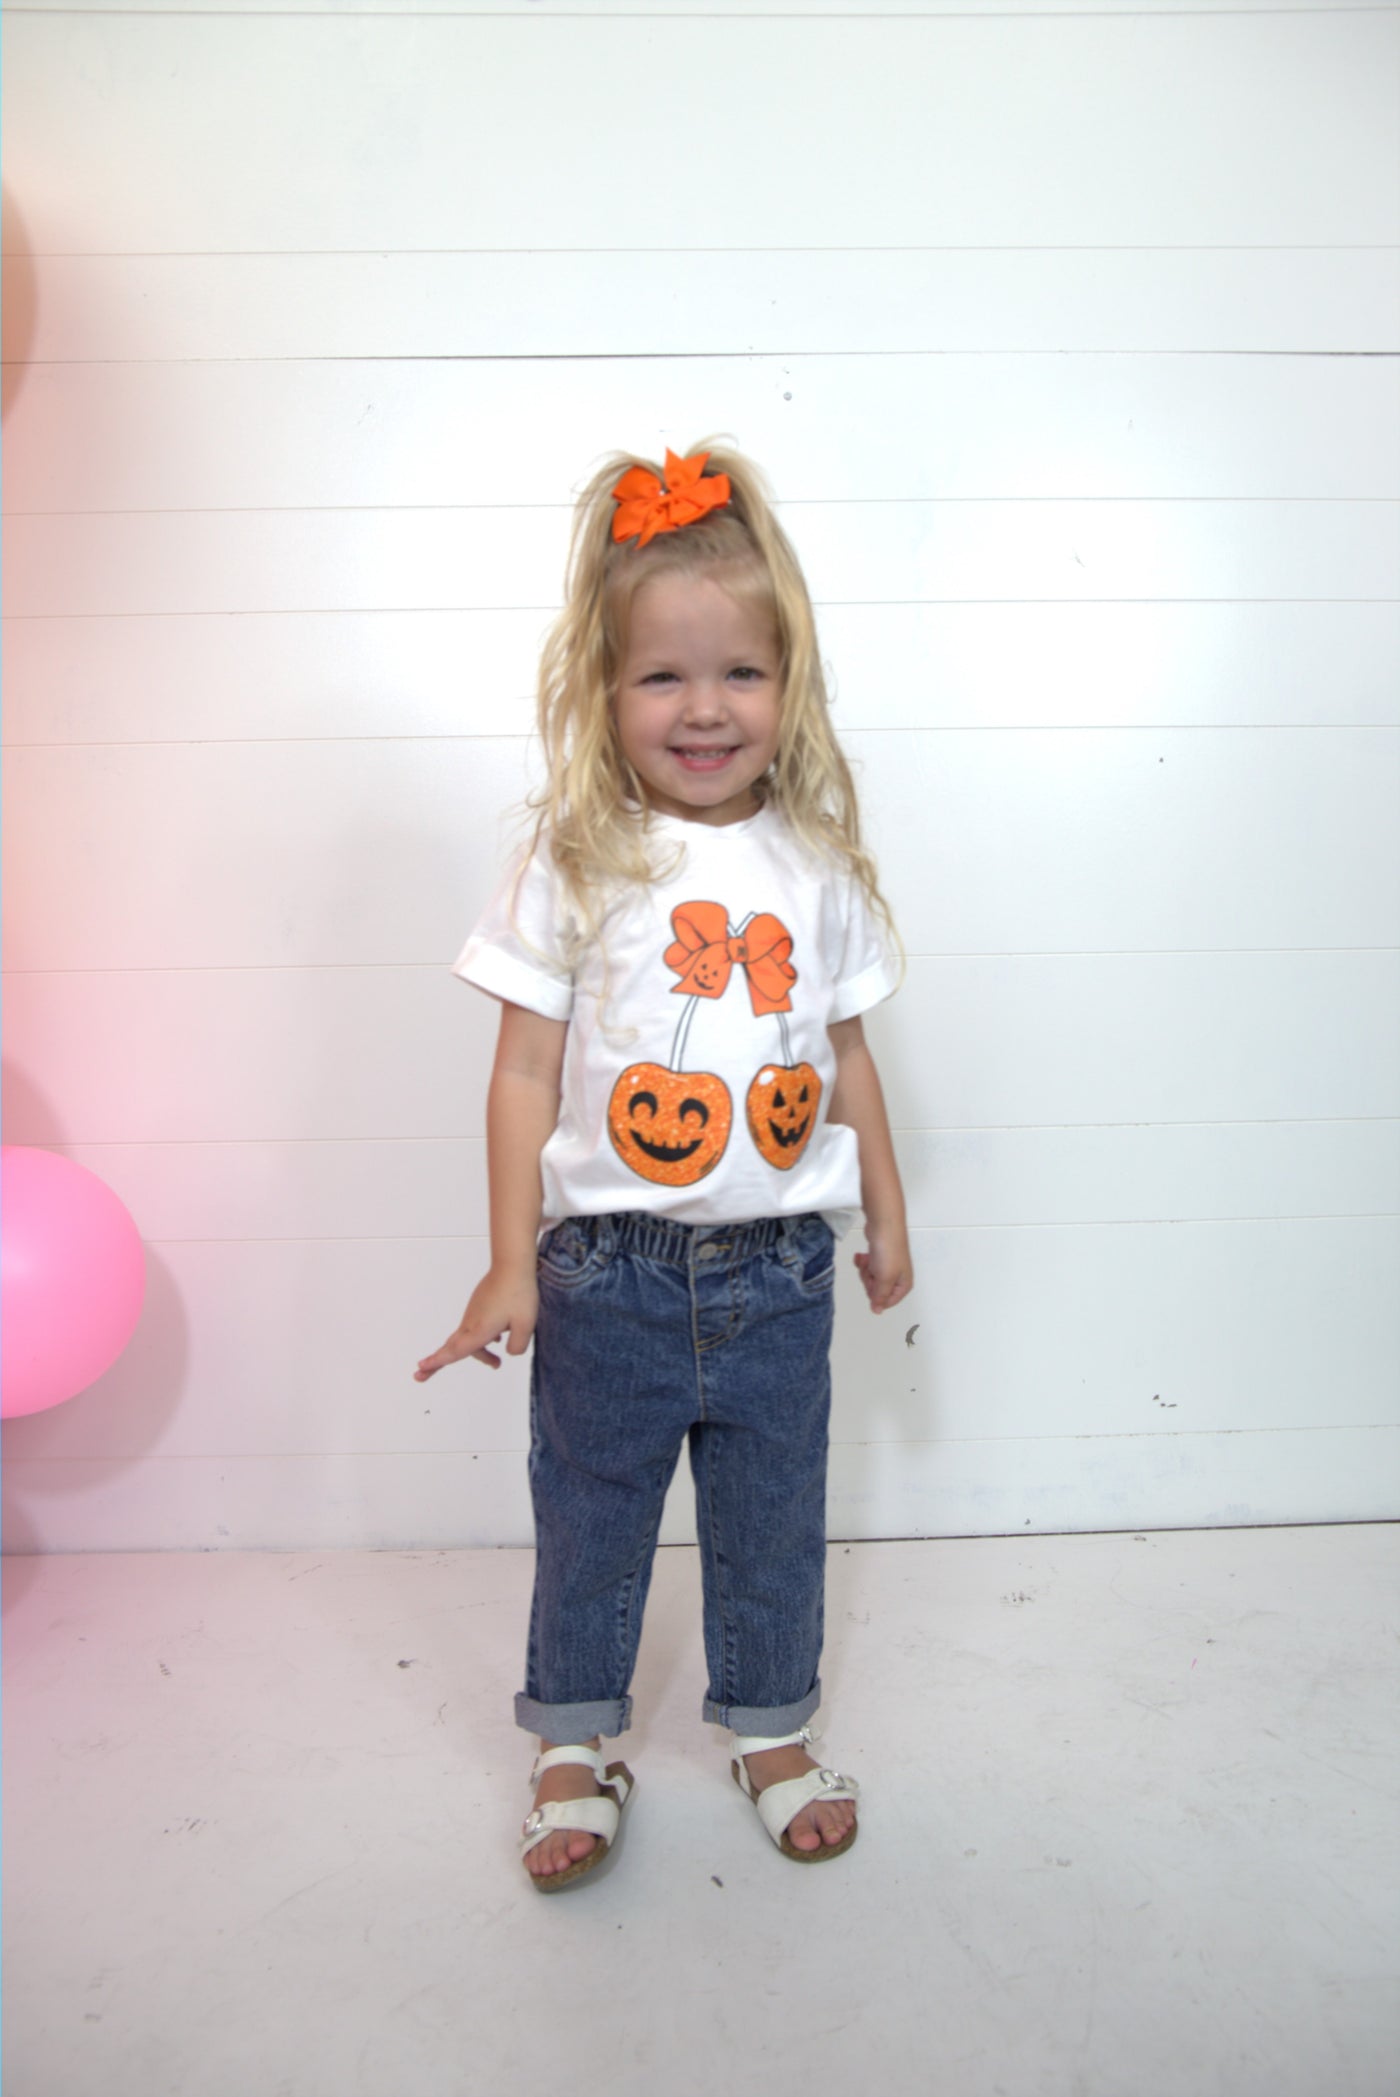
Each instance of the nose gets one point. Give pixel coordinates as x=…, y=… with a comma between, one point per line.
x=706, y=701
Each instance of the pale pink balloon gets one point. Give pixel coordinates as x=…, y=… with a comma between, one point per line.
x=72, y=1276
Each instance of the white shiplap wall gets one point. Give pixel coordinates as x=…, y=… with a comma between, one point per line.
x=1068, y=339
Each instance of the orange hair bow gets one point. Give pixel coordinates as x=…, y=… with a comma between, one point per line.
x=704, y=954
x=645, y=507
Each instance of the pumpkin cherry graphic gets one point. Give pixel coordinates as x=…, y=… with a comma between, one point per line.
x=782, y=1107
x=782, y=1111
x=670, y=1125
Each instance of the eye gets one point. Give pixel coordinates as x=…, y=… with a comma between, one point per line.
x=660, y=677
x=644, y=1099
x=693, y=1106
x=747, y=673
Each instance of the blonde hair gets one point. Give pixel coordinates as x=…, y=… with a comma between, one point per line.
x=592, y=806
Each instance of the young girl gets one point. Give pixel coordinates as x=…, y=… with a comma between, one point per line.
x=683, y=1096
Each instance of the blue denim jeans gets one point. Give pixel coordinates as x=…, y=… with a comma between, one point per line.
x=650, y=1333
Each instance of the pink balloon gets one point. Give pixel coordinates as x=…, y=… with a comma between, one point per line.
x=72, y=1276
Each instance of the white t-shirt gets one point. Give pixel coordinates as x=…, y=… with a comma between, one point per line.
x=700, y=1090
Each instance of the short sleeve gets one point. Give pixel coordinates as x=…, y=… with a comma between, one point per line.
x=864, y=973
x=515, y=950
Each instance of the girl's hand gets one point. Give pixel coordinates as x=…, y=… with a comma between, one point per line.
x=887, y=1268
x=502, y=1302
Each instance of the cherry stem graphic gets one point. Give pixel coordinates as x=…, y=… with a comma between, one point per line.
x=683, y=1029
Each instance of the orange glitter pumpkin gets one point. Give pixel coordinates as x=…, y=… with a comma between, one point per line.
x=670, y=1126
x=782, y=1111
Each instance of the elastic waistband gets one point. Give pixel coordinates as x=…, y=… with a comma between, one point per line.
x=658, y=1238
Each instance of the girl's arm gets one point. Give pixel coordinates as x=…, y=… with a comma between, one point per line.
x=522, y=1107
x=858, y=1103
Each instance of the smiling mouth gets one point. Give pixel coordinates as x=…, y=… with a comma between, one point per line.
x=708, y=760
x=665, y=1153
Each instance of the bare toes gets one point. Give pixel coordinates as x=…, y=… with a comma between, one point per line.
x=557, y=1854
x=834, y=1823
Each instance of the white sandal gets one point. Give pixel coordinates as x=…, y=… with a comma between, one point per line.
x=779, y=1804
x=599, y=1816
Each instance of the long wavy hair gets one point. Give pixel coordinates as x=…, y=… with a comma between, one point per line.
x=592, y=808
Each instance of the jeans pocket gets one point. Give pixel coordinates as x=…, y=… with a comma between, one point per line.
x=569, y=1255
x=808, y=1251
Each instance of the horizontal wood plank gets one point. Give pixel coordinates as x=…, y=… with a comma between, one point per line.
x=786, y=302
x=909, y=552
x=853, y=10
x=989, y=129
x=518, y=435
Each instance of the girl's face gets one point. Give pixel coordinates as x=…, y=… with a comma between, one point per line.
x=698, y=698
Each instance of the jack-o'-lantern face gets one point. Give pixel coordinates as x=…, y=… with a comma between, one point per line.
x=782, y=1110
x=670, y=1126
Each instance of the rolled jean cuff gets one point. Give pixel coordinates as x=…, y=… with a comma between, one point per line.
x=573, y=1722
x=768, y=1721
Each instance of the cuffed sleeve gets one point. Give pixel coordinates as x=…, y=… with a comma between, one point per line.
x=513, y=952
x=864, y=972
x=871, y=987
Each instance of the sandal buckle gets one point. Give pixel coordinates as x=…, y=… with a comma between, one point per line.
x=835, y=1781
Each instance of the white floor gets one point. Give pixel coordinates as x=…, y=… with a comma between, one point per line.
x=1129, y=1830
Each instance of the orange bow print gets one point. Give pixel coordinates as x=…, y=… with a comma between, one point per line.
x=644, y=506
x=704, y=953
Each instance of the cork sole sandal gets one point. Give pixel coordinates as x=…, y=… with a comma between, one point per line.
x=779, y=1804
x=601, y=1816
